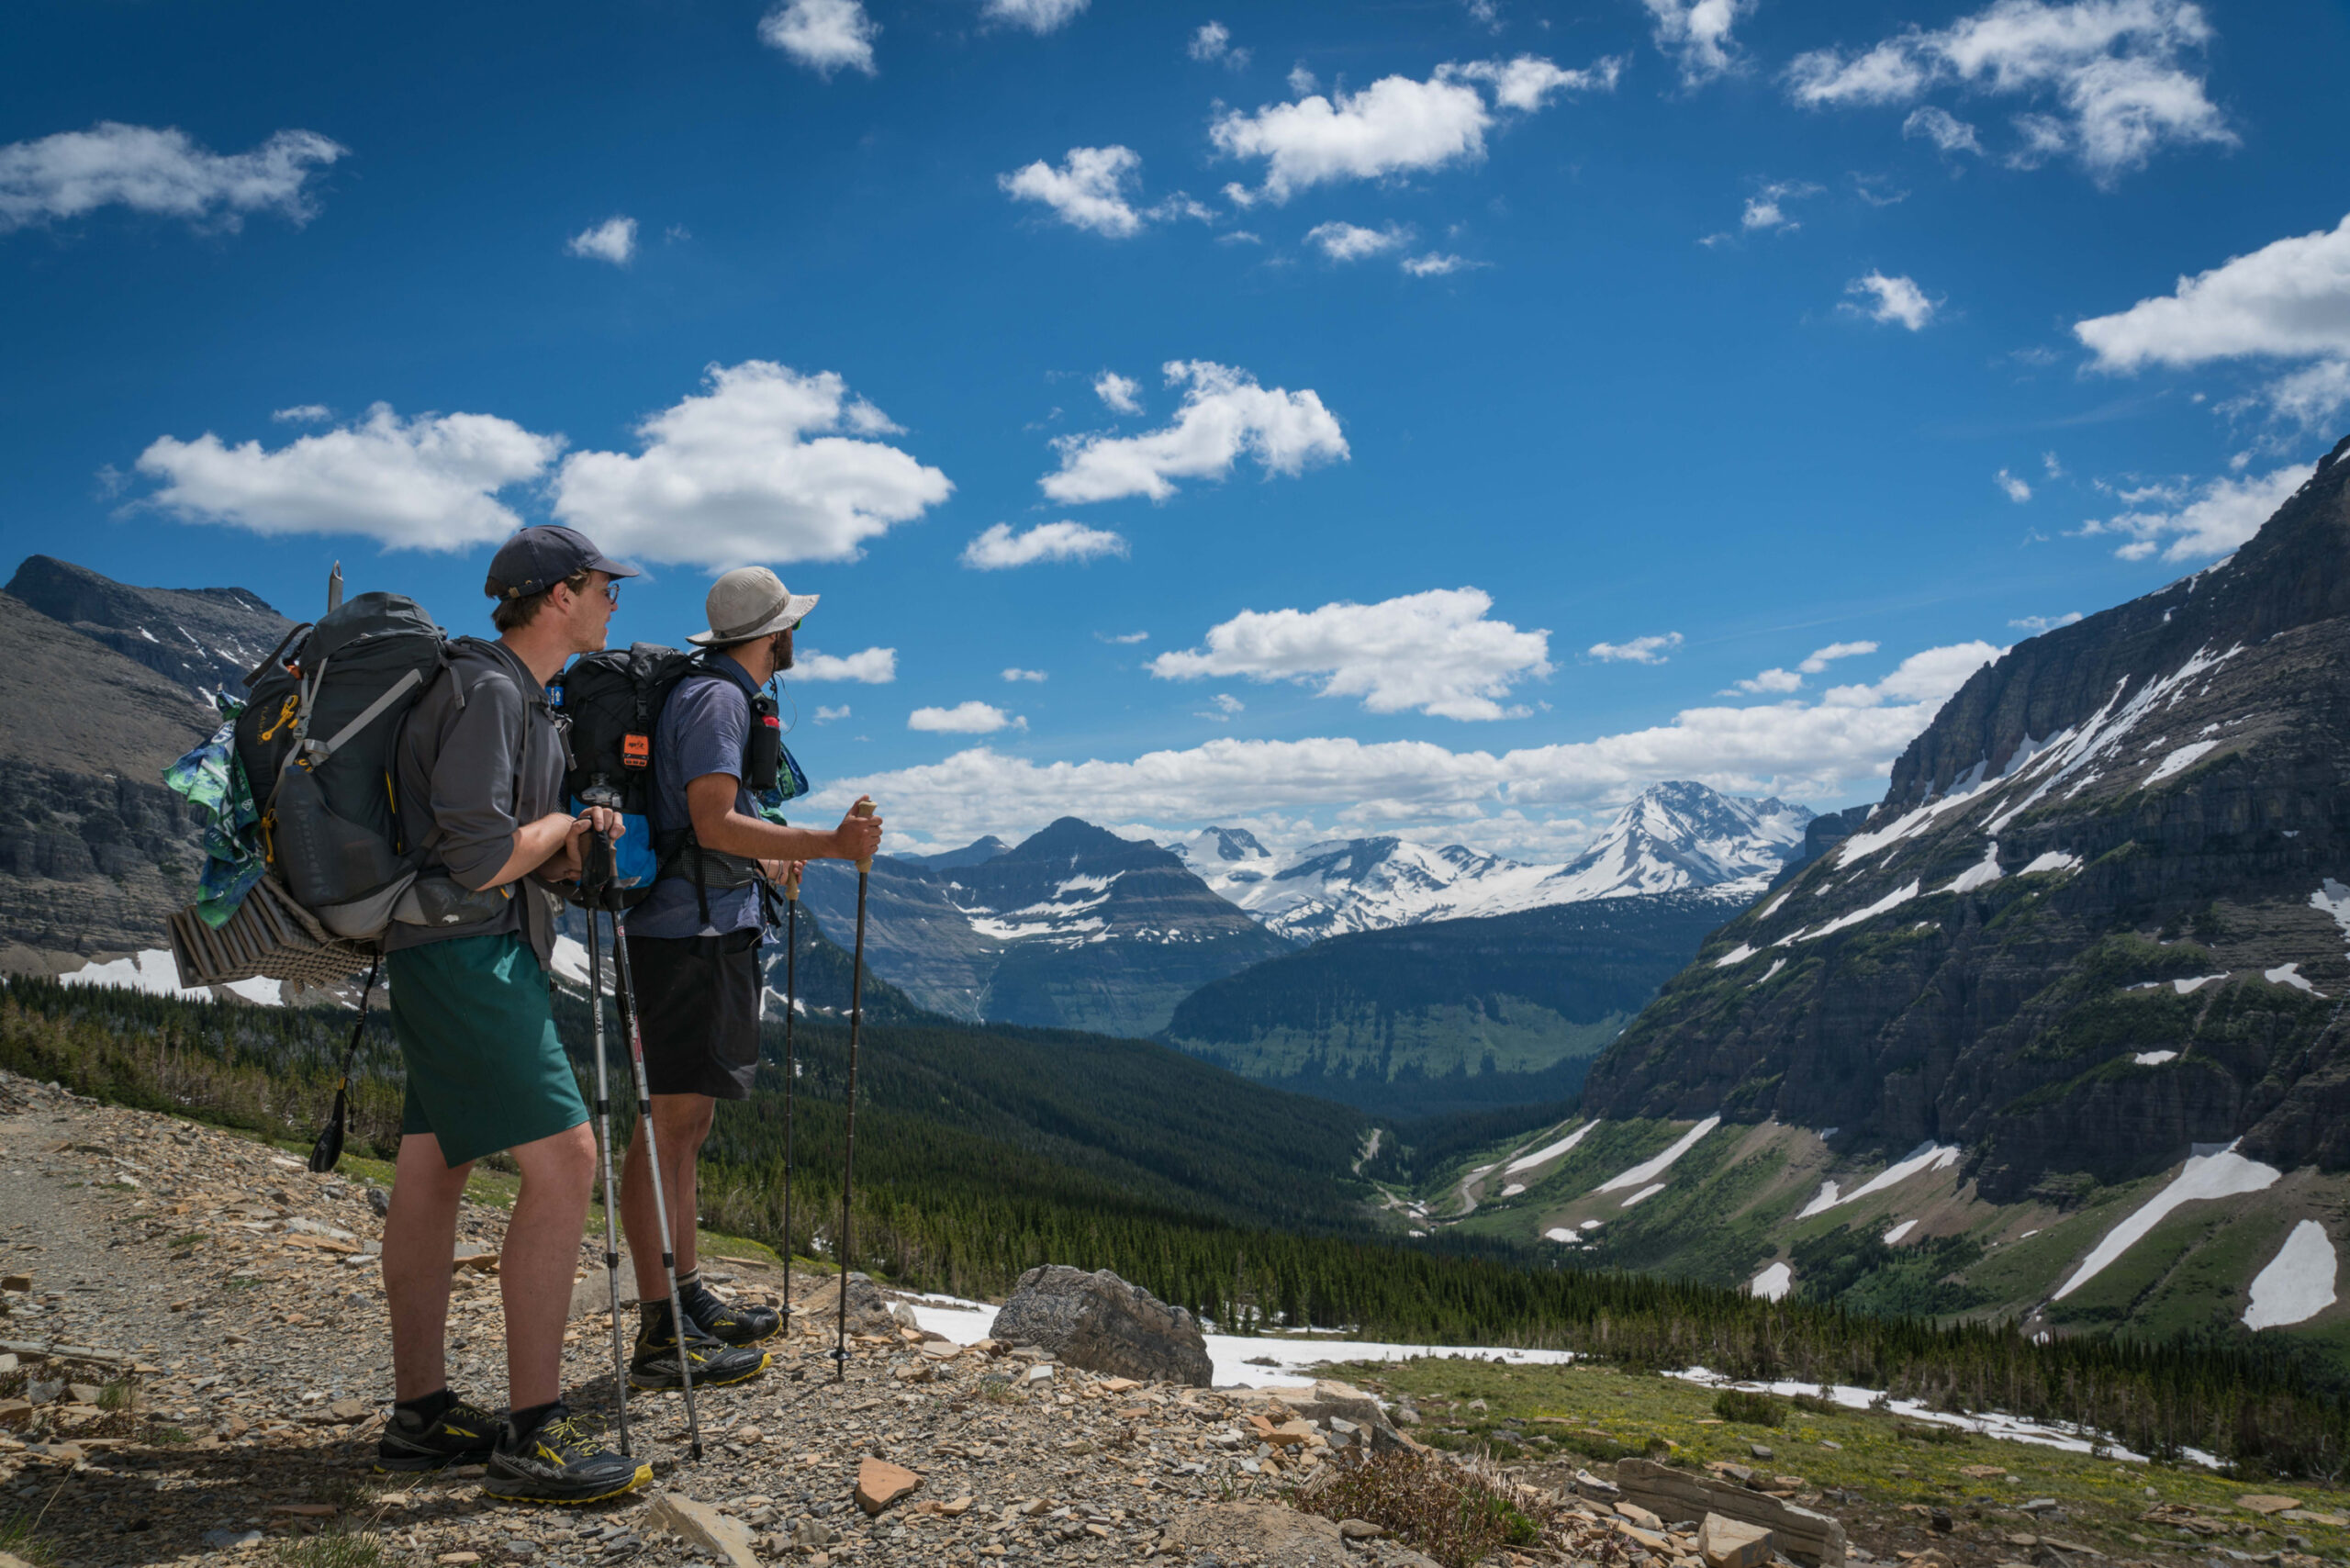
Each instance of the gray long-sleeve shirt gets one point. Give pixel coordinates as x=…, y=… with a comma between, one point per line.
x=463, y=790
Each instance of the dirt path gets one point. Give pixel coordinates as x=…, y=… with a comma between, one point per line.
x=242, y=1288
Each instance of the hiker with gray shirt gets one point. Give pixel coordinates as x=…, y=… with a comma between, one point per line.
x=693, y=948
x=478, y=789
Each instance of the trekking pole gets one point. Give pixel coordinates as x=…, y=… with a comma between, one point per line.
x=864, y=808
x=790, y=1067
x=627, y=998
x=594, y=880
x=328, y=1147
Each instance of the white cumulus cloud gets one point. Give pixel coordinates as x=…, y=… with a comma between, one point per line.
x=873, y=666
x=1771, y=680
x=1945, y=130
x=755, y=468
x=1697, y=33
x=1119, y=393
x=2119, y=77
x=304, y=414
x=2016, y=489
x=1349, y=242
x=831, y=715
x=1822, y=658
x=823, y=35
x=1651, y=650
x=1434, y=652
x=1798, y=750
x=1226, y=414
x=2289, y=300
x=2039, y=623
x=427, y=483
x=964, y=718
x=1396, y=126
x=1038, y=15
x=1016, y=674
x=1891, y=300
x=999, y=548
x=613, y=241
x=1766, y=208
x=159, y=171
x=1213, y=45
x=1091, y=190
x=1436, y=264
x=2212, y=519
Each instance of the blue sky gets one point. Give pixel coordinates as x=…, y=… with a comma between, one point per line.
x=1465, y=400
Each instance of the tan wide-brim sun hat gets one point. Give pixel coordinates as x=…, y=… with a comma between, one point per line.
x=747, y=602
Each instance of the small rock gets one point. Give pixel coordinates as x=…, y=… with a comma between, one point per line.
x=2267, y=1502
x=1733, y=1543
x=880, y=1483
x=1359, y=1530
x=16, y=1281
x=350, y=1409
x=516, y=1550
x=458, y=1559
x=84, y=1392
x=230, y=1539
x=700, y=1525
x=43, y=1392
x=1759, y=1451
x=1639, y=1516
x=380, y=1199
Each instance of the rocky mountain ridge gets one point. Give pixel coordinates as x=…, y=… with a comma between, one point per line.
x=2099, y=922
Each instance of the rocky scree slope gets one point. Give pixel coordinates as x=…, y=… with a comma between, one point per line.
x=1073, y=928
x=2097, y=921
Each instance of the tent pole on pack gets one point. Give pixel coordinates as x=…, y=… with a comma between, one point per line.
x=864, y=808
x=791, y=1066
x=653, y=1165
x=594, y=881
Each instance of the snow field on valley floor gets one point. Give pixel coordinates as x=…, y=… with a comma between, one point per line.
x=2299, y=1281
x=966, y=1322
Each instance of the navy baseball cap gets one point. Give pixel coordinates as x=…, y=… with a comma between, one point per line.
x=537, y=558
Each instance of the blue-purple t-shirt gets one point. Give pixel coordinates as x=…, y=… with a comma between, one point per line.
x=703, y=730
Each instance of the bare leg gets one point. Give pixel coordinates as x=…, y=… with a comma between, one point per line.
x=541, y=1253
x=420, y=1239
x=679, y=1123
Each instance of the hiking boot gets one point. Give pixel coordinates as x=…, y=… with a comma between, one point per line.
x=563, y=1460
x=735, y=1322
x=462, y=1434
x=714, y=1363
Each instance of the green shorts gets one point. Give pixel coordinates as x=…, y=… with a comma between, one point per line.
x=485, y=1070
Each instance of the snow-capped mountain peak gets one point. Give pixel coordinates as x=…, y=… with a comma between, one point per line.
x=1672, y=837
x=1679, y=835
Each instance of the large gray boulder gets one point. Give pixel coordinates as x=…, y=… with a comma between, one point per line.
x=1101, y=1323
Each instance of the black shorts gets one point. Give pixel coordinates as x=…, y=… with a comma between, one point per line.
x=698, y=1008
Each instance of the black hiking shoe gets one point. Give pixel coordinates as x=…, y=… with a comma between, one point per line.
x=731, y=1322
x=714, y=1364
x=563, y=1460
x=462, y=1434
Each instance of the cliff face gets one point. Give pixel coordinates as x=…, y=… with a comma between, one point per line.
x=2100, y=917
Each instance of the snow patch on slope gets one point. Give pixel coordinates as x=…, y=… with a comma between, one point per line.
x=155, y=972
x=2226, y=1174
x=1773, y=1283
x=1548, y=1151
x=1648, y=1170
x=2297, y=1284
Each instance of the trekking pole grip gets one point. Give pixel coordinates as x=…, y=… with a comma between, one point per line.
x=864, y=808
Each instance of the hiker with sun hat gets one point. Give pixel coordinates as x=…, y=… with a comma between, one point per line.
x=693, y=948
